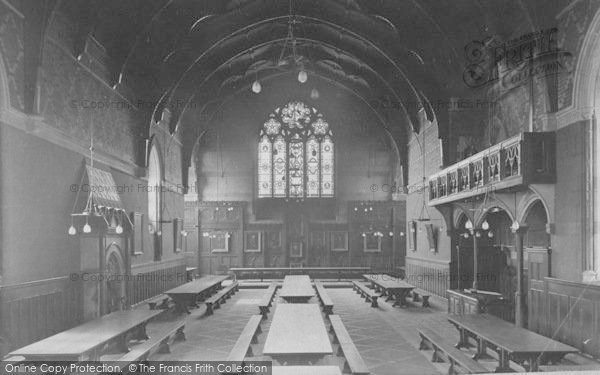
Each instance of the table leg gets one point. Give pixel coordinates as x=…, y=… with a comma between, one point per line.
x=481, y=349
x=462, y=340
x=123, y=343
x=140, y=332
x=503, y=365
x=181, y=306
x=400, y=298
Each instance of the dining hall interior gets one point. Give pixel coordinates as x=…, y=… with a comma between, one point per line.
x=326, y=186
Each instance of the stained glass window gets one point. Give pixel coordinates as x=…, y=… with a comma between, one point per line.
x=295, y=154
x=265, y=167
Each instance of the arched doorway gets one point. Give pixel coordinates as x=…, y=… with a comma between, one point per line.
x=497, y=255
x=114, y=286
x=536, y=220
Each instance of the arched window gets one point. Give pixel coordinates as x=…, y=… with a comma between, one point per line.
x=295, y=154
x=154, y=187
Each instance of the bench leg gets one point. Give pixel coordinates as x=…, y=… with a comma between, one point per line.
x=209, y=309
x=180, y=335
x=164, y=305
x=164, y=346
x=347, y=369
x=415, y=297
x=451, y=369
x=152, y=305
x=374, y=302
x=249, y=352
x=426, y=301
x=435, y=357
x=423, y=344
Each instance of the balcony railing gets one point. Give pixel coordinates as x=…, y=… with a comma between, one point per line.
x=518, y=161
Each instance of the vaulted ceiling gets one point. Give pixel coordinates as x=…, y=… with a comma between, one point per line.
x=410, y=52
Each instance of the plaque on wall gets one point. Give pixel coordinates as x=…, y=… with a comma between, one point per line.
x=252, y=242
x=296, y=249
x=219, y=242
x=339, y=241
x=371, y=243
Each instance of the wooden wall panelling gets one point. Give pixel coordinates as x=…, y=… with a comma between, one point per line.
x=567, y=311
x=34, y=310
x=431, y=276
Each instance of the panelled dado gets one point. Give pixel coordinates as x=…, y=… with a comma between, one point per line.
x=524, y=159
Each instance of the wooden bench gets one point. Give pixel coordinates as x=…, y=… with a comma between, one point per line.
x=220, y=297
x=324, y=298
x=424, y=294
x=354, y=363
x=366, y=292
x=242, y=347
x=267, y=300
x=441, y=348
x=159, y=343
x=159, y=302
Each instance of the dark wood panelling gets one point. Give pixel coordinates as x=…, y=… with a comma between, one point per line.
x=431, y=276
x=35, y=310
x=149, y=284
x=566, y=311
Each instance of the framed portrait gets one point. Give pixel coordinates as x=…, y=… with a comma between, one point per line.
x=219, y=242
x=273, y=240
x=317, y=239
x=371, y=243
x=296, y=249
x=137, y=237
x=339, y=241
x=253, y=242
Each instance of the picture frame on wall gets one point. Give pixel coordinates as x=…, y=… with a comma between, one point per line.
x=371, y=243
x=137, y=236
x=339, y=240
x=253, y=242
x=273, y=240
x=296, y=249
x=219, y=242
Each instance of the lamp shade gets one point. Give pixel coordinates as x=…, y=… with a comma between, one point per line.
x=256, y=87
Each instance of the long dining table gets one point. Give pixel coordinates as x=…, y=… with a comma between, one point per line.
x=520, y=345
x=186, y=295
x=296, y=288
x=391, y=286
x=297, y=334
x=86, y=342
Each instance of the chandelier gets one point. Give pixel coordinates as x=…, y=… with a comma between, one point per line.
x=289, y=46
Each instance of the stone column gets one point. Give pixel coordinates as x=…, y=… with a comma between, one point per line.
x=520, y=313
x=475, y=261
